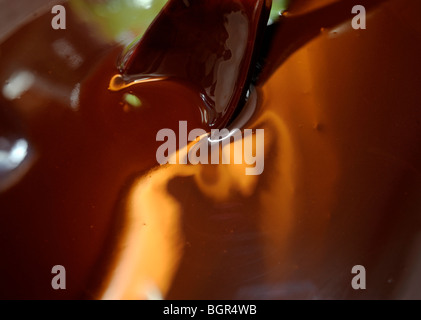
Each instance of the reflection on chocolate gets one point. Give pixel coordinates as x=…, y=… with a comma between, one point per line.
x=211, y=44
x=16, y=155
x=341, y=186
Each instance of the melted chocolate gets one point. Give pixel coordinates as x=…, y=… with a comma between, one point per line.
x=211, y=44
x=341, y=183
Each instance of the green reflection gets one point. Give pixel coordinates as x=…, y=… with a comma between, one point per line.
x=120, y=20
x=127, y=20
x=277, y=7
x=132, y=100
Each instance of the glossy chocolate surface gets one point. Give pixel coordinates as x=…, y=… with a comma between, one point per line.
x=341, y=185
x=210, y=44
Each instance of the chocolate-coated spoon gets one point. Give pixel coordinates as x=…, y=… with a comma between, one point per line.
x=211, y=44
